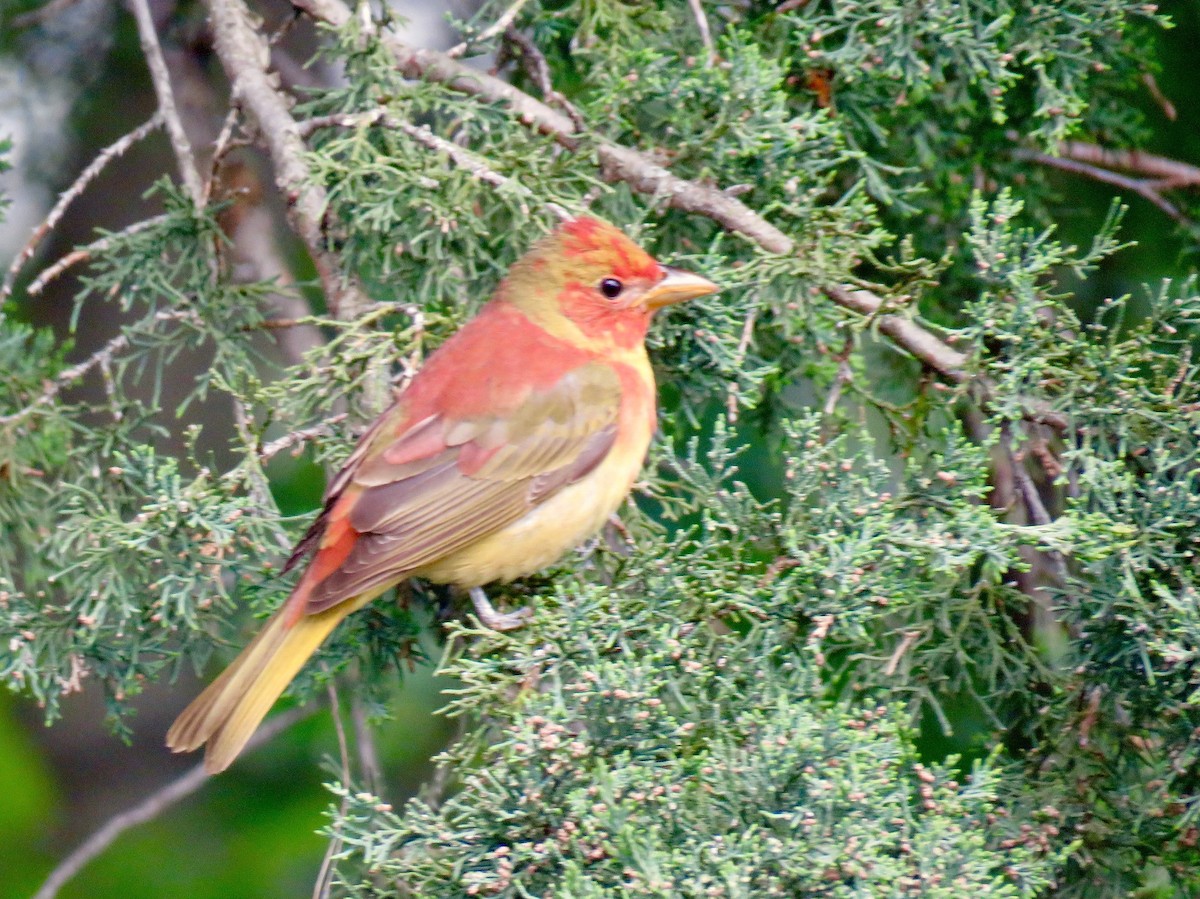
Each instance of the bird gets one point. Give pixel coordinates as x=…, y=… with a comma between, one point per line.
x=515, y=442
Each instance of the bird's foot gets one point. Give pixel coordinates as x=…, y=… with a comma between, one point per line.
x=497, y=621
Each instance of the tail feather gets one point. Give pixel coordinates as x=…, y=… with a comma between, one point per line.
x=230, y=709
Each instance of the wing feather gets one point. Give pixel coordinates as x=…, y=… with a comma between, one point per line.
x=418, y=496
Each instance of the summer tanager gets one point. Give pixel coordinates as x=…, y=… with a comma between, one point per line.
x=516, y=441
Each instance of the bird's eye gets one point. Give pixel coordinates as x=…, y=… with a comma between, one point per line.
x=611, y=288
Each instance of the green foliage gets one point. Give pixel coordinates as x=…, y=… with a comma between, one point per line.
x=865, y=630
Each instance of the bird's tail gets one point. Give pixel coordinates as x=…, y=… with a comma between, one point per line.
x=228, y=712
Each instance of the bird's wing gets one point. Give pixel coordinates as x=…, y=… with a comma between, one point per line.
x=442, y=483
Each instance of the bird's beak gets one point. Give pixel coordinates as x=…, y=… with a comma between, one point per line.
x=675, y=287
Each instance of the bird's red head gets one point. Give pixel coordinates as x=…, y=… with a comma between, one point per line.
x=590, y=275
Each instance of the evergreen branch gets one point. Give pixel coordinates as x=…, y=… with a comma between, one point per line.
x=85, y=253
x=151, y=49
x=102, y=358
x=244, y=55
x=154, y=805
x=461, y=157
x=93, y=169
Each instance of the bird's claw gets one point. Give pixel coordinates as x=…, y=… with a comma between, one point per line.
x=497, y=621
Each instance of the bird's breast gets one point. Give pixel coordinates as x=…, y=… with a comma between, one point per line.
x=568, y=517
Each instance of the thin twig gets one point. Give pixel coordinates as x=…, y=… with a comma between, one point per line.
x=304, y=435
x=94, y=168
x=705, y=34
x=906, y=642
x=506, y=18
x=166, y=101
x=325, y=874
x=84, y=253
x=103, y=358
x=844, y=376
x=1027, y=490
x=154, y=805
x=1168, y=171
x=536, y=67
x=364, y=741
x=739, y=356
x=1143, y=189
x=220, y=147
x=1156, y=94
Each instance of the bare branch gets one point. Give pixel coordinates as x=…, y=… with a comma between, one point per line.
x=1170, y=172
x=244, y=54
x=154, y=805
x=1142, y=188
x=166, y=101
x=94, y=168
x=506, y=18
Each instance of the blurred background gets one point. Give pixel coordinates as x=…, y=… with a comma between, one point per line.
x=72, y=80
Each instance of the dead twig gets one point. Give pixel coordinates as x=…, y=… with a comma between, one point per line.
x=1144, y=189
x=89, y=174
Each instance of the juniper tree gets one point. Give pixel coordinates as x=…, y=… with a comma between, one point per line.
x=905, y=603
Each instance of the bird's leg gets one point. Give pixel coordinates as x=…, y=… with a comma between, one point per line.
x=497, y=621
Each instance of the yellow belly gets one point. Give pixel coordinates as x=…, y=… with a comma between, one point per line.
x=555, y=526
